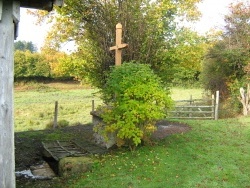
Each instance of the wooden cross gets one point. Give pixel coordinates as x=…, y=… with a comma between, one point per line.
x=119, y=46
x=9, y=18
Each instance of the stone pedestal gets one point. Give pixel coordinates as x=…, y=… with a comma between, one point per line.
x=100, y=126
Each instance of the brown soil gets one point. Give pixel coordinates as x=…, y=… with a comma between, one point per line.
x=166, y=128
x=28, y=148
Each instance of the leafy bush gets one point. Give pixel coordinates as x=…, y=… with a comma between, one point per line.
x=137, y=99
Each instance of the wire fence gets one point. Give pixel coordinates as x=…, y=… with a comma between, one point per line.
x=36, y=111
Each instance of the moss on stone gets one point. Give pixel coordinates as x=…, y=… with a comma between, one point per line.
x=72, y=165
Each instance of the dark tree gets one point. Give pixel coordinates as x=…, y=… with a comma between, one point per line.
x=24, y=45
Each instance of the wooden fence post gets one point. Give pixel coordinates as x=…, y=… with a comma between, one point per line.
x=190, y=103
x=55, y=115
x=216, y=113
x=93, y=109
x=213, y=107
x=191, y=99
x=93, y=105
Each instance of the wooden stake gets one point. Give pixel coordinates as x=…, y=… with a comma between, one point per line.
x=93, y=105
x=55, y=115
x=93, y=109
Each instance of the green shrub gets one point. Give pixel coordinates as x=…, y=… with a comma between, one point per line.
x=137, y=99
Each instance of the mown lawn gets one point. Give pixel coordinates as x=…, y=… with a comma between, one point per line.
x=213, y=154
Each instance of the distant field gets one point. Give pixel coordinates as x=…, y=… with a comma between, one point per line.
x=35, y=103
x=184, y=94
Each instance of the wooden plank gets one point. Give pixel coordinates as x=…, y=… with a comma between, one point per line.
x=190, y=117
x=194, y=100
x=194, y=106
x=193, y=112
x=61, y=149
x=49, y=151
x=7, y=163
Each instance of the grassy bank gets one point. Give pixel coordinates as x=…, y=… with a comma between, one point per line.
x=213, y=154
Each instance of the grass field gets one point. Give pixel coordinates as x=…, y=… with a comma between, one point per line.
x=213, y=154
x=184, y=94
x=35, y=104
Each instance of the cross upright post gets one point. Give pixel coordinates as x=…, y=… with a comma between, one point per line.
x=119, y=46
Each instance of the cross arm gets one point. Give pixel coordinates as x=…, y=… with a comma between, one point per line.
x=118, y=47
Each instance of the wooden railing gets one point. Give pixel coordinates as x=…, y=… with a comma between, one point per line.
x=196, y=108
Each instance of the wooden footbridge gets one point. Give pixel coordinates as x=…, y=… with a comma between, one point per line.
x=61, y=149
